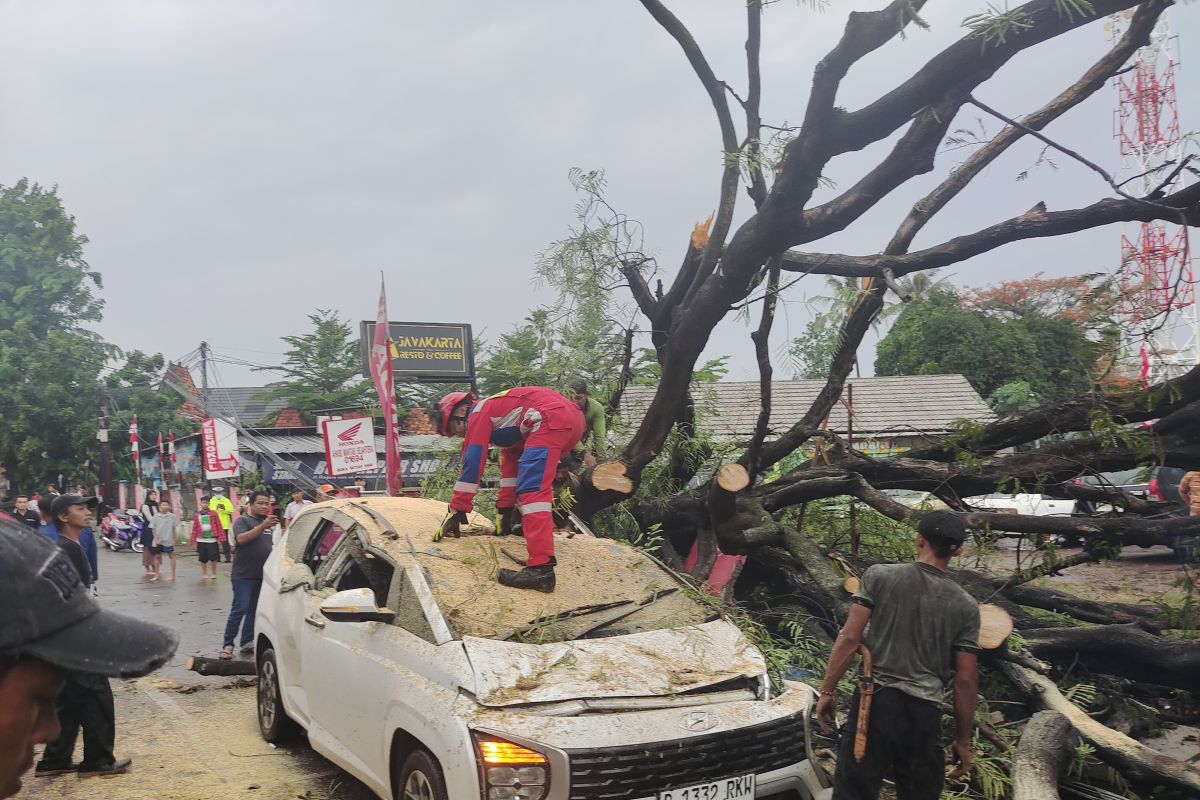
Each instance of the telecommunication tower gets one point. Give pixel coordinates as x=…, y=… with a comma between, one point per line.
x=1157, y=284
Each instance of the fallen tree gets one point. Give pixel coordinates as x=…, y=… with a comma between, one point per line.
x=757, y=505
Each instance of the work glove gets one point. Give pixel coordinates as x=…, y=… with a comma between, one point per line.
x=451, y=526
x=506, y=522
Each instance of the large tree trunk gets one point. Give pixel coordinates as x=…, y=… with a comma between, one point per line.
x=1043, y=749
x=1124, y=650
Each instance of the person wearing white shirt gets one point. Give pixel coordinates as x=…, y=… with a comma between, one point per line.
x=295, y=507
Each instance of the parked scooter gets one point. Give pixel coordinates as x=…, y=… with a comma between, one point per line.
x=121, y=529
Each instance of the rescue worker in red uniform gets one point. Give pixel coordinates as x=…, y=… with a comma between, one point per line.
x=533, y=426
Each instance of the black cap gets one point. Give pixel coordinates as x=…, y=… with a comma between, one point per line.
x=942, y=526
x=60, y=504
x=49, y=614
x=577, y=386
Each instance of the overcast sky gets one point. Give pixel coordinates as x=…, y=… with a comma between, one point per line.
x=237, y=164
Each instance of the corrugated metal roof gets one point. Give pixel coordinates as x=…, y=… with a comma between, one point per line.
x=883, y=406
x=242, y=403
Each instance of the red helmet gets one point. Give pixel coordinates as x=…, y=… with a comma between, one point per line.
x=446, y=408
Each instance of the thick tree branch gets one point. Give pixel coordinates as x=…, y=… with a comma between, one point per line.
x=758, y=183
x=1137, y=35
x=762, y=341
x=1034, y=224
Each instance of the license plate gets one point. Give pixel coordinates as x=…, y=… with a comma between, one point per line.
x=739, y=788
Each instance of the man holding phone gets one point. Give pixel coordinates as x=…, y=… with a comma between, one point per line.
x=251, y=532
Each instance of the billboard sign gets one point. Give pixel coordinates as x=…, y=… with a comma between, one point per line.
x=219, y=444
x=424, y=351
x=349, y=445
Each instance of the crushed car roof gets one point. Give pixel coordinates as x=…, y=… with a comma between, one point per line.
x=591, y=571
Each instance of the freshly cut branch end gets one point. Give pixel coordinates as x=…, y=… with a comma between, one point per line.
x=995, y=626
x=733, y=477
x=611, y=476
x=851, y=584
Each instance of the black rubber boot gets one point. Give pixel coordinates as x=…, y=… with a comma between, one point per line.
x=539, y=579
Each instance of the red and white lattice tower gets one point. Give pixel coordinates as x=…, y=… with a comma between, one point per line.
x=1156, y=279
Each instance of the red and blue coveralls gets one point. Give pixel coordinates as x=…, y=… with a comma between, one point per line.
x=533, y=426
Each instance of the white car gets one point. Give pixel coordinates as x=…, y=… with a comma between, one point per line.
x=1037, y=505
x=410, y=667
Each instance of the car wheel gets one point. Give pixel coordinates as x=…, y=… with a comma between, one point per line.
x=421, y=778
x=273, y=722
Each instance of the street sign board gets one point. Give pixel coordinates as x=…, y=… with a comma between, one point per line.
x=220, y=444
x=349, y=445
x=424, y=351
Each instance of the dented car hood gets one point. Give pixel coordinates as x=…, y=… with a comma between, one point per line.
x=650, y=664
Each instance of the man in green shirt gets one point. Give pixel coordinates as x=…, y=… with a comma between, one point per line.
x=594, y=444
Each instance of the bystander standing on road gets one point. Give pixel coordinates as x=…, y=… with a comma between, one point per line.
x=87, y=541
x=224, y=508
x=49, y=629
x=253, y=547
x=294, y=507
x=923, y=635
x=148, y=509
x=207, y=537
x=23, y=513
x=86, y=701
x=163, y=526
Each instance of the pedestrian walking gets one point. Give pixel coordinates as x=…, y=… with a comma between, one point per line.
x=148, y=509
x=923, y=635
x=163, y=527
x=251, y=533
x=207, y=537
x=224, y=508
x=86, y=701
x=294, y=507
x=50, y=628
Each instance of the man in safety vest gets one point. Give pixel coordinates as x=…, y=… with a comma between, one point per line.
x=533, y=426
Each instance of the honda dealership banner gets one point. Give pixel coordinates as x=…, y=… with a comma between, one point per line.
x=349, y=445
x=219, y=445
x=315, y=466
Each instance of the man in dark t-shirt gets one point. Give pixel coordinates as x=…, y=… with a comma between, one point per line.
x=923, y=635
x=23, y=513
x=251, y=533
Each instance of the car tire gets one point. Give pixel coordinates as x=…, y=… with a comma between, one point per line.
x=273, y=722
x=421, y=778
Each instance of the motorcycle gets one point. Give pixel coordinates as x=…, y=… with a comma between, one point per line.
x=121, y=529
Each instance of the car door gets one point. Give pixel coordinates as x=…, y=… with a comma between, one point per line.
x=290, y=605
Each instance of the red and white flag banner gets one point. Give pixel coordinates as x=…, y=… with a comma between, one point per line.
x=381, y=373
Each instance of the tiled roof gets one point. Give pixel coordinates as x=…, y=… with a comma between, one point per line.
x=883, y=406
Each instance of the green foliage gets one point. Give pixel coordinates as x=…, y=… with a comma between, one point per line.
x=647, y=371
x=936, y=335
x=48, y=362
x=995, y=25
x=322, y=369
x=1082, y=755
x=880, y=538
x=811, y=353
x=1013, y=397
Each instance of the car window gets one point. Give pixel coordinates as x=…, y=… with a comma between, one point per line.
x=322, y=543
x=403, y=599
x=351, y=566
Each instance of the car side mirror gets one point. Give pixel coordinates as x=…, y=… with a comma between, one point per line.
x=354, y=605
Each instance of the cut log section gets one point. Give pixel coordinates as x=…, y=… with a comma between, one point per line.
x=1041, y=753
x=851, y=584
x=611, y=477
x=216, y=666
x=733, y=477
x=995, y=625
x=1131, y=757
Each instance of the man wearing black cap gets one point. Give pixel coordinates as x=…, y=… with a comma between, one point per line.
x=86, y=701
x=51, y=628
x=923, y=635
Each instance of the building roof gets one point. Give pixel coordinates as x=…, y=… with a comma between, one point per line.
x=242, y=403
x=883, y=406
x=314, y=443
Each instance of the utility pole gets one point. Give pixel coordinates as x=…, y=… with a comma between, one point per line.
x=108, y=485
x=204, y=379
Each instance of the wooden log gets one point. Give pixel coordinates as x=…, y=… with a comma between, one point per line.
x=733, y=477
x=1043, y=749
x=851, y=584
x=1134, y=759
x=216, y=666
x=611, y=476
x=995, y=625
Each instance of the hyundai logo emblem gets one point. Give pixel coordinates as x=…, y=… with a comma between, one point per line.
x=698, y=721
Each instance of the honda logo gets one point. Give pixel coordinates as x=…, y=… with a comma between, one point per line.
x=698, y=721
x=350, y=434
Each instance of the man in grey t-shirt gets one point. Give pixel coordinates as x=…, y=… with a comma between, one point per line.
x=251, y=532
x=923, y=635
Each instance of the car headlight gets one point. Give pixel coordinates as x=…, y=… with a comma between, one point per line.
x=511, y=771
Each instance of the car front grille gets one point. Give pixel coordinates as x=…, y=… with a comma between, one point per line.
x=633, y=771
